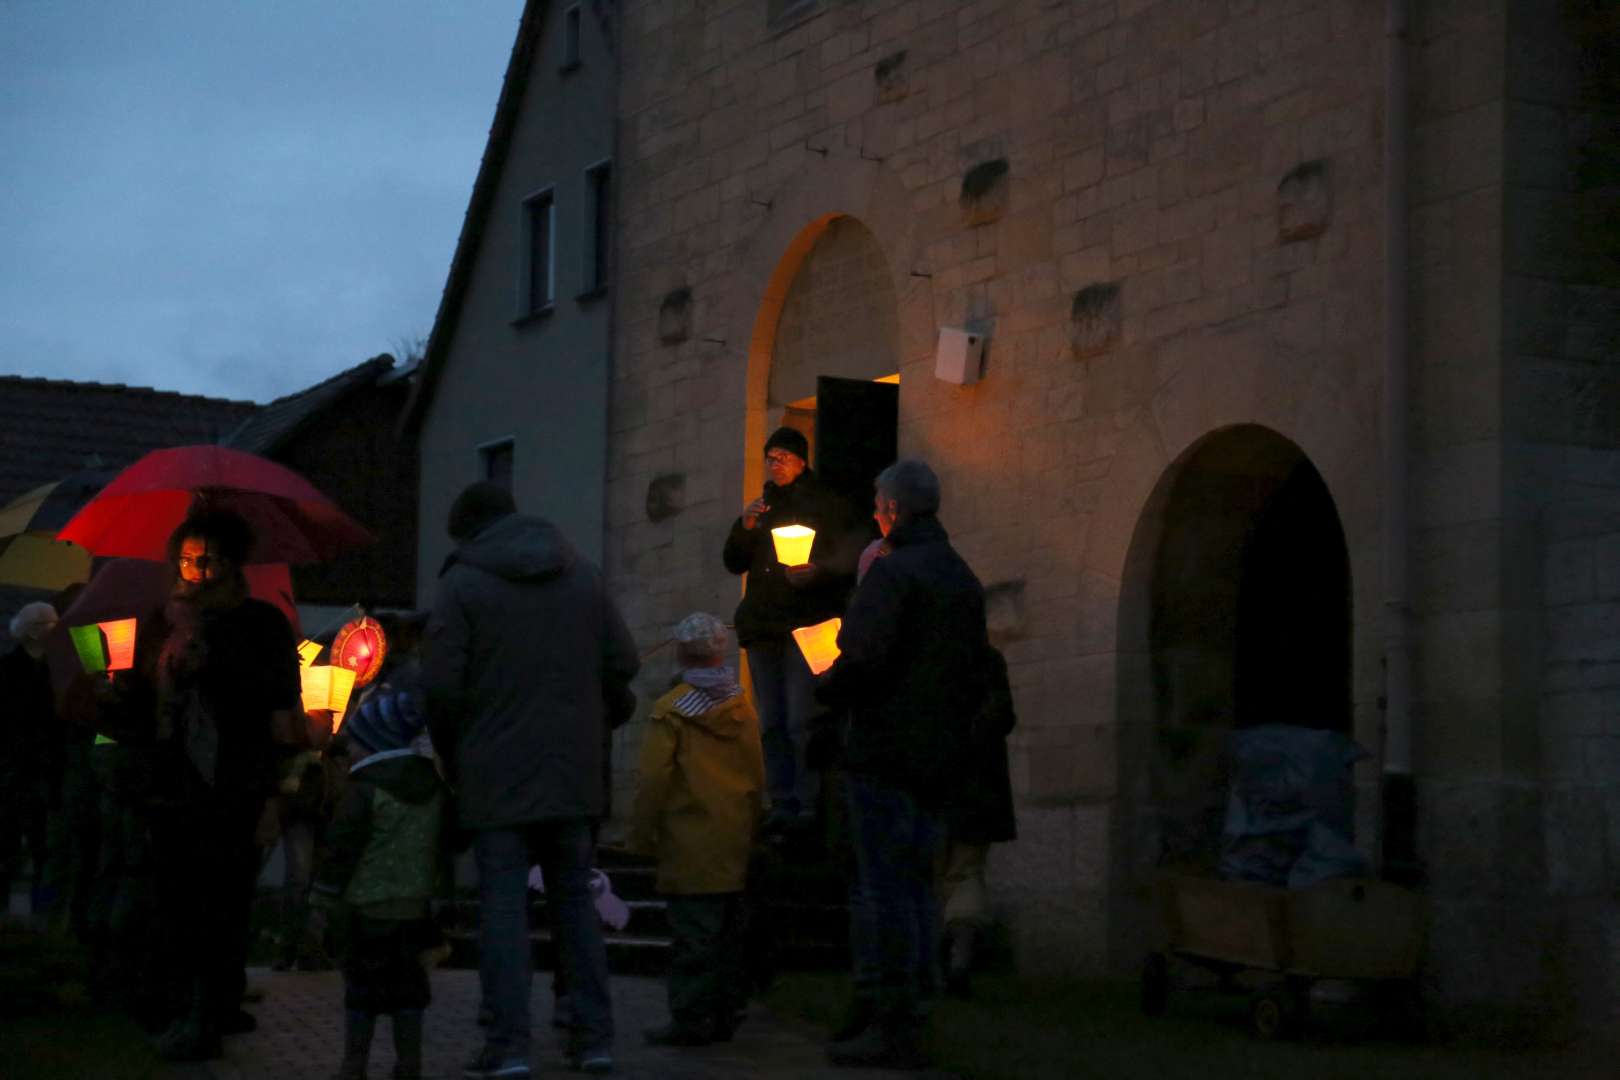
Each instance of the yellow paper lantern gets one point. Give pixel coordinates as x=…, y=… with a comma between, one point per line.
x=793, y=543
x=326, y=688
x=308, y=651
x=819, y=643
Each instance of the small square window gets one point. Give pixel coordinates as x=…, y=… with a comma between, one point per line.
x=539, y=272
x=495, y=463
x=598, y=226
x=570, y=38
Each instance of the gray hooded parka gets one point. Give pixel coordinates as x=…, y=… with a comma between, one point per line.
x=526, y=668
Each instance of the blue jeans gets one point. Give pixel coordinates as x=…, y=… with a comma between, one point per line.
x=783, y=692
x=563, y=850
x=895, y=923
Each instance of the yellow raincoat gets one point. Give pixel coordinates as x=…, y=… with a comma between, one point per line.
x=699, y=794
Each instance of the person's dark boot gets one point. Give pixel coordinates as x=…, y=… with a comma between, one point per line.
x=357, y=1030
x=857, y=1018
x=961, y=941
x=889, y=1044
x=408, y=1044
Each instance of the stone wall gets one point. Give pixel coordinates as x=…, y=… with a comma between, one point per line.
x=1165, y=216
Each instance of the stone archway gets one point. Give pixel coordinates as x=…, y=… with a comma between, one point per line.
x=1247, y=620
x=1282, y=414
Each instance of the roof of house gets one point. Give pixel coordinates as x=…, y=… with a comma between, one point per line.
x=52, y=428
x=516, y=81
x=270, y=427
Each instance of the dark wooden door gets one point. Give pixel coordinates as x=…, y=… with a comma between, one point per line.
x=857, y=436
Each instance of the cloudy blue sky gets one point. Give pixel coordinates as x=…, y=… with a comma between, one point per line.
x=235, y=198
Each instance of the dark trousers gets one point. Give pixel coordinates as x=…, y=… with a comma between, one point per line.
x=564, y=850
x=898, y=844
x=708, y=974
x=382, y=972
x=207, y=863
x=23, y=819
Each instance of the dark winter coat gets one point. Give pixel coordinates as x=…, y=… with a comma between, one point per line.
x=771, y=607
x=32, y=743
x=911, y=667
x=381, y=850
x=526, y=666
x=979, y=809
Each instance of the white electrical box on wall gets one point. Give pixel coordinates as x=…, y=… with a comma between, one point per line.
x=958, y=356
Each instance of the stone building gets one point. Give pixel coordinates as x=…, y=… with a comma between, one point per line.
x=1299, y=396
x=1248, y=442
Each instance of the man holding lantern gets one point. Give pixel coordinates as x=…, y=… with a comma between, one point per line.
x=780, y=597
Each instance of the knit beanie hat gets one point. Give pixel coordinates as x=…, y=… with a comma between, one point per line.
x=389, y=719
x=701, y=634
x=790, y=439
x=479, y=506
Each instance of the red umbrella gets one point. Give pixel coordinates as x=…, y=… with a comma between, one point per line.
x=292, y=521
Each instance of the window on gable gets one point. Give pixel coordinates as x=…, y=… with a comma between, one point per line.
x=598, y=226
x=495, y=463
x=570, y=38
x=539, y=272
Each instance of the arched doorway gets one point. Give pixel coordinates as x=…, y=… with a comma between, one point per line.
x=1235, y=611
x=828, y=332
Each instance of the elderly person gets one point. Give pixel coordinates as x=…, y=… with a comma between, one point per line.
x=779, y=598
x=30, y=749
x=911, y=674
x=526, y=666
x=698, y=805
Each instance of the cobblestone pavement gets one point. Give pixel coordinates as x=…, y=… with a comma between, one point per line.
x=300, y=1019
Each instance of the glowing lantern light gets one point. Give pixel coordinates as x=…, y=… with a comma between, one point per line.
x=308, y=651
x=87, y=643
x=819, y=643
x=107, y=646
x=326, y=688
x=360, y=647
x=120, y=644
x=793, y=543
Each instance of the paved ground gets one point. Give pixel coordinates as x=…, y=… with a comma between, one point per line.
x=300, y=1019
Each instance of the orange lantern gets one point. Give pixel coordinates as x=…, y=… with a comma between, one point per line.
x=819, y=643
x=326, y=687
x=308, y=651
x=107, y=646
x=793, y=543
x=360, y=647
x=120, y=644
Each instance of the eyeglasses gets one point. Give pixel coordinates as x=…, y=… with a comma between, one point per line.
x=781, y=457
x=200, y=562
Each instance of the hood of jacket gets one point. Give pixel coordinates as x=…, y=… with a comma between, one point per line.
x=518, y=547
x=723, y=721
x=410, y=778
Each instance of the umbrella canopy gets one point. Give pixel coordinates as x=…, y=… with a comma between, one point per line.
x=292, y=521
x=30, y=554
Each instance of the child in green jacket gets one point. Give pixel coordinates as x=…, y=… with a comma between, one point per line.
x=379, y=859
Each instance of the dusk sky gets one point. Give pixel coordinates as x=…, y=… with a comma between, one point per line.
x=233, y=197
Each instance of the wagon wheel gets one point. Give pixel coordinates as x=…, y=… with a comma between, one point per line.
x=1278, y=1013
x=1155, y=984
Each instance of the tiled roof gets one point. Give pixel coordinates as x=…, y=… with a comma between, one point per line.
x=284, y=417
x=51, y=428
